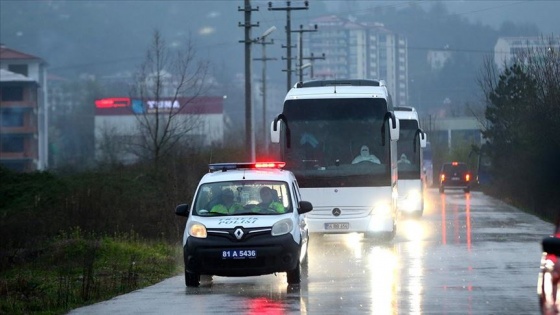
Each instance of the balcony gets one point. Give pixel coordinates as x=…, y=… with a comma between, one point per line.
x=10, y=156
x=19, y=104
x=21, y=130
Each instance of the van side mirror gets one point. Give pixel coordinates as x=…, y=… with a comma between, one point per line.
x=304, y=207
x=182, y=210
x=551, y=245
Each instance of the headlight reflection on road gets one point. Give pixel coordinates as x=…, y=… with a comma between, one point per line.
x=412, y=256
x=413, y=230
x=382, y=263
x=353, y=241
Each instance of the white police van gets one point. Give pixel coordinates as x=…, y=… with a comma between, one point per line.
x=244, y=236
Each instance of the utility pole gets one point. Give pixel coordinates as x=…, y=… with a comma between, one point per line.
x=311, y=59
x=249, y=134
x=300, y=46
x=263, y=42
x=288, y=8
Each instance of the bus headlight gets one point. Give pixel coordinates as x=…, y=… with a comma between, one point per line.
x=414, y=197
x=282, y=227
x=197, y=230
x=382, y=209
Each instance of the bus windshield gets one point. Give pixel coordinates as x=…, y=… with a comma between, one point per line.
x=408, y=148
x=337, y=142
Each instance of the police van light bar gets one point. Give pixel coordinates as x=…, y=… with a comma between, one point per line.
x=224, y=167
x=270, y=164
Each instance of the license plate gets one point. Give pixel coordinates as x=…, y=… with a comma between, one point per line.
x=337, y=226
x=455, y=178
x=239, y=253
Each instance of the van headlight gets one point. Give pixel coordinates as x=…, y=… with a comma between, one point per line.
x=197, y=230
x=282, y=227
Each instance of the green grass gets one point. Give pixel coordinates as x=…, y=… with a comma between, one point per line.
x=74, y=270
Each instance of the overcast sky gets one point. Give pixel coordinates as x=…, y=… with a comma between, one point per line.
x=213, y=24
x=545, y=14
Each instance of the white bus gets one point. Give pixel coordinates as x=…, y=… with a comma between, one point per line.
x=339, y=139
x=410, y=162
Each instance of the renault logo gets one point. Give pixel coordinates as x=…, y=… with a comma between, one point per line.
x=238, y=233
x=336, y=212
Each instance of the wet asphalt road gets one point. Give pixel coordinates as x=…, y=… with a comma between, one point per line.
x=468, y=254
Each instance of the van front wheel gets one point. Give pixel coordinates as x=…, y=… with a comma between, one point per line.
x=192, y=279
x=294, y=276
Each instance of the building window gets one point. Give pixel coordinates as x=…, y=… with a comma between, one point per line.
x=12, y=143
x=21, y=69
x=11, y=93
x=12, y=117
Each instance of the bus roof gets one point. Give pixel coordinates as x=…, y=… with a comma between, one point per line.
x=406, y=113
x=339, y=89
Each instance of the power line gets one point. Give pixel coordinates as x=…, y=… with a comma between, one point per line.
x=288, y=8
x=249, y=135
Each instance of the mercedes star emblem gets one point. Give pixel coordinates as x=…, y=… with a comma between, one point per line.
x=336, y=212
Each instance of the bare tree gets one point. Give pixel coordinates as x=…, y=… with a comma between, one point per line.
x=168, y=83
x=487, y=80
x=543, y=64
x=522, y=110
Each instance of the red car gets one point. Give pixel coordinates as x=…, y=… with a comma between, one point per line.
x=549, y=276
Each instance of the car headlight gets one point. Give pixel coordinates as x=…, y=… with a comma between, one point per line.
x=197, y=230
x=282, y=227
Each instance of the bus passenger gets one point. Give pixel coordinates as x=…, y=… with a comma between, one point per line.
x=403, y=159
x=366, y=156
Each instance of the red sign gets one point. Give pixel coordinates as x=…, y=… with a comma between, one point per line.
x=113, y=102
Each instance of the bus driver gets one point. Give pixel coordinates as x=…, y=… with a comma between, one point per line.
x=365, y=156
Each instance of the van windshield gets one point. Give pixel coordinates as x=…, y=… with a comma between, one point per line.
x=243, y=197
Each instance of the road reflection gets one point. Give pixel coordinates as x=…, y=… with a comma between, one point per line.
x=460, y=216
x=456, y=214
x=415, y=233
x=353, y=265
x=267, y=294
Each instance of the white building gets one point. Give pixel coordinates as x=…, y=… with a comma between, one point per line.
x=514, y=49
x=23, y=111
x=200, y=121
x=438, y=58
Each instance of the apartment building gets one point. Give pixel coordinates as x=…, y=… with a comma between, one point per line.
x=23, y=111
x=361, y=51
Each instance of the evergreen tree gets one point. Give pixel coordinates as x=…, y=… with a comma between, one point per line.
x=511, y=133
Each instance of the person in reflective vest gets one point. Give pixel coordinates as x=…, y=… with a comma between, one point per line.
x=227, y=204
x=268, y=203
